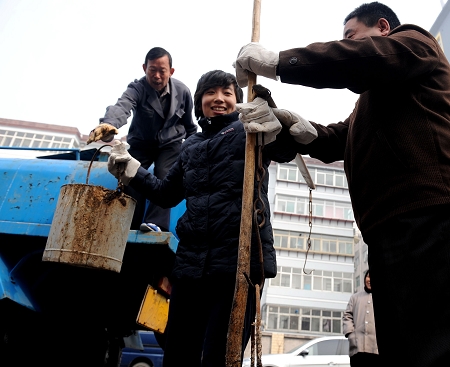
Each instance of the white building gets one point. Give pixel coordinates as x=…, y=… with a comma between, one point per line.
x=312, y=288
x=37, y=137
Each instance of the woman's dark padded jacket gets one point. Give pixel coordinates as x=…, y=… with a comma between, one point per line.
x=209, y=174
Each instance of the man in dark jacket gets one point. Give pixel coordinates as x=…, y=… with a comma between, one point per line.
x=162, y=118
x=396, y=151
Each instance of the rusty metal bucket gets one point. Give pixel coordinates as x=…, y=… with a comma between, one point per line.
x=90, y=226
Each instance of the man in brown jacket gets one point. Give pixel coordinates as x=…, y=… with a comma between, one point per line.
x=396, y=151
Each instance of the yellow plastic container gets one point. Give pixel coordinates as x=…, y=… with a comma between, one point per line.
x=154, y=311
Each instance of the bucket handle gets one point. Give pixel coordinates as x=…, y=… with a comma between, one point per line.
x=92, y=160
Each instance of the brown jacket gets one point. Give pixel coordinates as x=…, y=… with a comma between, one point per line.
x=359, y=324
x=396, y=143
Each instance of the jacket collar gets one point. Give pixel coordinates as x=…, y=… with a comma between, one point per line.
x=153, y=98
x=217, y=123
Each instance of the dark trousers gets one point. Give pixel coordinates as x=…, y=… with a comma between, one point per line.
x=199, y=312
x=162, y=158
x=365, y=360
x=409, y=261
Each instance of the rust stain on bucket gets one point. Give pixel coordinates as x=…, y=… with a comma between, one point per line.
x=90, y=227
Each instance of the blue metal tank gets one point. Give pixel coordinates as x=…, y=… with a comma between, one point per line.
x=85, y=300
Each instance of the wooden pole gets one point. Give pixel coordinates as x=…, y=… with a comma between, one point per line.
x=236, y=323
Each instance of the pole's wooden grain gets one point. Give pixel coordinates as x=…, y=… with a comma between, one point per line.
x=236, y=323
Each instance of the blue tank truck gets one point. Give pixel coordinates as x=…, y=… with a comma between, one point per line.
x=56, y=314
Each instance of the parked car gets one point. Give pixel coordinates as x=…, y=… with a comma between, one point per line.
x=325, y=351
x=150, y=356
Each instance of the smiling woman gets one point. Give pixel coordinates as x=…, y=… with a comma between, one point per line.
x=209, y=174
x=219, y=101
x=217, y=94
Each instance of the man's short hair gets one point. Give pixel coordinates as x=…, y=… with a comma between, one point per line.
x=212, y=79
x=156, y=53
x=369, y=14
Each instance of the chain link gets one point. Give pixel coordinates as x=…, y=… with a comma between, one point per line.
x=258, y=220
x=308, y=241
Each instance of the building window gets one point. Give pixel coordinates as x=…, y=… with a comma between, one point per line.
x=365, y=254
x=31, y=140
x=288, y=173
x=326, y=177
x=297, y=319
x=320, y=208
x=297, y=241
x=356, y=259
x=291, y=204
x=328, y=281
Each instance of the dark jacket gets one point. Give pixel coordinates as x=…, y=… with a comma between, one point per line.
x=149, y=125
x=396, y=143
x=209, y=175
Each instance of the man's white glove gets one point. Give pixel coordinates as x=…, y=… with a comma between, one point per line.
x=103, y=132
x=301, y=129
x=258, y=117
x=121, y=164
x=255, y=58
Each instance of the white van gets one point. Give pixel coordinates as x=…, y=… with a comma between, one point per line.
x=325, y=351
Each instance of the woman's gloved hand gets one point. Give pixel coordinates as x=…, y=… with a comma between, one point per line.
x=258, y=117
x=121, y=164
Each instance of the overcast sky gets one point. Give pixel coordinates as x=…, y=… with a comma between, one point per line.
x=64, y=61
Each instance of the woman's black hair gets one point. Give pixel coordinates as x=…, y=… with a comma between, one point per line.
x=212, y=79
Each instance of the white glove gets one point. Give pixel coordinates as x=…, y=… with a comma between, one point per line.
x=255, y=58
x=121, y=164
x=258, y=117
x=301, y=129
x=104, y=132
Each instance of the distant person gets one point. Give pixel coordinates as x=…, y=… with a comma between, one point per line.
x=359, y=328
x=395, y=145
x=162, y=118
x=209, y=174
